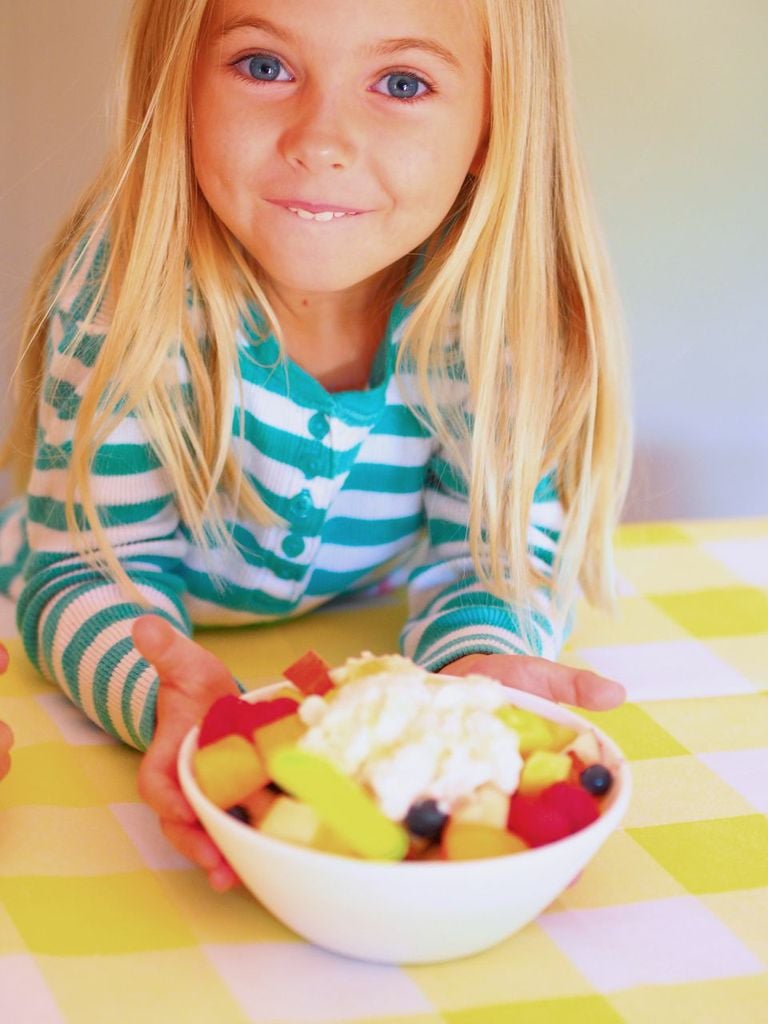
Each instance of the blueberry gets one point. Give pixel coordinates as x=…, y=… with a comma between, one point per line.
x=596, y=779
x=240, y=813
x=425, y=819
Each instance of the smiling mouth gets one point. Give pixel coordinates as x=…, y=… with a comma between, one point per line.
x=323, y=216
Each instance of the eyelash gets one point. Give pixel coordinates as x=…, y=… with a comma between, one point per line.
x=429, y=88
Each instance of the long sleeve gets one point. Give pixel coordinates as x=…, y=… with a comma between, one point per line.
x=451, y=613
x=75, y=624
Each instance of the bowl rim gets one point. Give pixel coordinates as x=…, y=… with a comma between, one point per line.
x=615, y=808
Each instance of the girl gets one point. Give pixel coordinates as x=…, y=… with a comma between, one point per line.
x=337, y=300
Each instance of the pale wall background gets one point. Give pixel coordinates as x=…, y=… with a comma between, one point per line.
x=672, y=98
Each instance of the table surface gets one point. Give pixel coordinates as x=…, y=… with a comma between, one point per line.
x=100, y=921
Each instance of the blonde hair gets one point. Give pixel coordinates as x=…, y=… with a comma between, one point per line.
x=520, y=262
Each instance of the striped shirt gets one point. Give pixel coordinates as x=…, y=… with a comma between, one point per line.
x=362, y=487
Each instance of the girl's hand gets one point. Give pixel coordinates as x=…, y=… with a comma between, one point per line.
x=191, y=679
x=544, y=678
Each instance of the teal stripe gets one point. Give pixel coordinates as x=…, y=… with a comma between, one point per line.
x=324, y=583
x=137, y=737
x=366, y=533
x=482, y=643
x=50, y=512
x=82, y=639
x=103, y=675
x=444, y=531
x=399, y=421
x=125, y=460
x=546, y=556
x=447, y=477
x=245, y=599
x=546, y=489
x=385, y=479
x=553, y=535
x=481, y=617
x=63, y=397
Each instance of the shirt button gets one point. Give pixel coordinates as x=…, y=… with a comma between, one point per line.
x=312, y=468
x=318, y=425
x=301, y=505
x=293, y=545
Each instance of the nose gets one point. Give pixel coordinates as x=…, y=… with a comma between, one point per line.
x=318, y=137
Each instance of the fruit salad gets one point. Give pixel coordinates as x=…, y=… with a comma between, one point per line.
x=380, y=759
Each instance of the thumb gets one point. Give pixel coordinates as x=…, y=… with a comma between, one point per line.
x=179, y=661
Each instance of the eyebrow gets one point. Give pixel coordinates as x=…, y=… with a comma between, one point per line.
x=386, y=48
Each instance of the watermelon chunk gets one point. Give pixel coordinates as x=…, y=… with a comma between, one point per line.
x=310, y=674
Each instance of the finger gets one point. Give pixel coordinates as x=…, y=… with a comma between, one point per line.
x=194, y=844
x=178, y=660
x=547, y=679
x=568, y=685
x=159, y=784
x=4, y=658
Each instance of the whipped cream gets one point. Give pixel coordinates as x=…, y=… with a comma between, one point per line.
x=410, y=735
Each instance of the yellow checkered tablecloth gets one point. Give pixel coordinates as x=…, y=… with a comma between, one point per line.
x=100, y=921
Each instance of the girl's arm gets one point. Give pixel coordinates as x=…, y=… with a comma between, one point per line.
x=75, y=623
x=457, y=626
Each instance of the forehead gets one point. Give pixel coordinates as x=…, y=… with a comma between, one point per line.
x=454, y=25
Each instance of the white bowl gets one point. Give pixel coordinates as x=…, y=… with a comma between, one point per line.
x=412, y=911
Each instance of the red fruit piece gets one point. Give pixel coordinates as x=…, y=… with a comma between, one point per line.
x=219, y=720
x=253, y=716
x=231, y=716
x=310, y=674
x=551, y=814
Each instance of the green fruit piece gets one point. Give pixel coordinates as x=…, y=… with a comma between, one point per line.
x=543, y=768
x=228, y=770
x=534, y=732
x=340, y=802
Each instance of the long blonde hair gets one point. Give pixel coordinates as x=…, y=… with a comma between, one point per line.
x=520, y=262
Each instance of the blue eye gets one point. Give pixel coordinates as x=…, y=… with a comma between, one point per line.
x=403, y=85
x=263, y=67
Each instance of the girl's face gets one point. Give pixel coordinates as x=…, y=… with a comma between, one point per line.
x=333, y=138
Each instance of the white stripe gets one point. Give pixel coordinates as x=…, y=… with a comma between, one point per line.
x=131, y=535
x=121, y=489
x=340, y=558
x=394, y=450
x=76, y=615
x=277, y=411
x=455, y=646
x=368, y=505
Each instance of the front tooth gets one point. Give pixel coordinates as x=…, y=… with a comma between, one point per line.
x=325, y=215
x=305, y=215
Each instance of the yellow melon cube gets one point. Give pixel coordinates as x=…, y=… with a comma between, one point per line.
x=487, y=806
x=229, y=770
x=543, y=768
x=467, y=840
